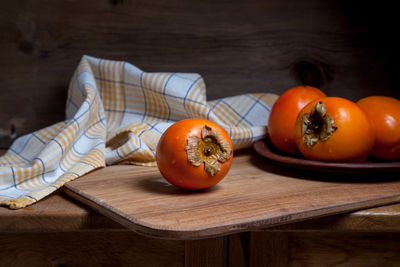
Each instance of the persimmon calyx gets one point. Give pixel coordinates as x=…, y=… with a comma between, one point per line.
x=211, y=149
x=317, y=125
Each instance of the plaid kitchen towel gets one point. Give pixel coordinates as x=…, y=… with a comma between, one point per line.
x=115, y=113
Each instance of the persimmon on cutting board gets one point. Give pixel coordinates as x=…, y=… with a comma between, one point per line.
x=194, y=154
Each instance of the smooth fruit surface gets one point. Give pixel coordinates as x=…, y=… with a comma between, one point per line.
x=194, y=154
x=384, y=115
x=342, y=134
x=283, y=115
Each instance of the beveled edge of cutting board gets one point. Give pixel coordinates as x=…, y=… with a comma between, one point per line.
x=158, y=231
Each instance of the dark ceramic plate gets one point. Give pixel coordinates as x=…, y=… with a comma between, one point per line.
x=266, y=149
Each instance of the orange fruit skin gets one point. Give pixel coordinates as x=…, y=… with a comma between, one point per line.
x=384, y=115
x=172, y=159
x=282, y=118
x=351, y=142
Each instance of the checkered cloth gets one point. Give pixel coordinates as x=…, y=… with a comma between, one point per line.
x=115, y=113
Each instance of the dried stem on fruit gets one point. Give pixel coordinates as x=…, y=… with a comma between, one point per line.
x=317, y=125
x=211, y=149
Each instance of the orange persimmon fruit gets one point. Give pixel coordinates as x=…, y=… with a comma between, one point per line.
x=283, y=116
x=334, y=129
x=194, y=154
x=384, y=115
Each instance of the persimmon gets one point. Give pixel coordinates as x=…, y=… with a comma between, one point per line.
x=283, y=116
x=384, y=115
x=334, y=129
x=194, y=154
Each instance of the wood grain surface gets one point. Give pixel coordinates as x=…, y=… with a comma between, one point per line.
x=343, y=249
x=56, y=212
x=59, y=212
x=90, y=248
x=312, y=248
x=346, y=48
x=255, y=194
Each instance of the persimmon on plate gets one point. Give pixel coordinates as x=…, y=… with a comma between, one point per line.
x=266, y=149
x=282, y=120
x=334, y=129
x=384, y=115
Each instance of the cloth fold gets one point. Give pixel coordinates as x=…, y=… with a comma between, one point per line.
x=115, y=114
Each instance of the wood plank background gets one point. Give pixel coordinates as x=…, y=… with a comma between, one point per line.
x=347, y=49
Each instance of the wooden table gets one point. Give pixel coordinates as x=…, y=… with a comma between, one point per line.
x=60, y=231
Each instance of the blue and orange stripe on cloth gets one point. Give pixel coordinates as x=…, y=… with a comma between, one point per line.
x=115, y=114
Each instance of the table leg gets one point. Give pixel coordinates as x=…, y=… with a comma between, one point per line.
x=205, y=252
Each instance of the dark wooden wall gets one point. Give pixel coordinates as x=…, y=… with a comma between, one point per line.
x=347, y=48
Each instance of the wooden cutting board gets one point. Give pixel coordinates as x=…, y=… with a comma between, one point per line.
x=255, y=194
